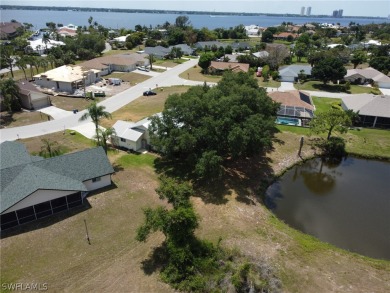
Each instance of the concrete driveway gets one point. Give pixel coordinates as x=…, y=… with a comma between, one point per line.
x=286, y=86
x=87, y=129
x=385, y=91
x=149, y=73
x=56, y=113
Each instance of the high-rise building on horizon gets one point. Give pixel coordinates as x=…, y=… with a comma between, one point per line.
x=303, y=11
x=308, y=11
x=338, y=13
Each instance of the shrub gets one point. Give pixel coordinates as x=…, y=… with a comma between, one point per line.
x=334, y=147
x=347, y=86
x=275, y=75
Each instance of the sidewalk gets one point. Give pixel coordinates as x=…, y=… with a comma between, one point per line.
x=55, y=113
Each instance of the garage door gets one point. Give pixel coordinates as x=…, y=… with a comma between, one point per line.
x=41, y=103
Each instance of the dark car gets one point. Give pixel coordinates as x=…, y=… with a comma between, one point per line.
x=149, y=93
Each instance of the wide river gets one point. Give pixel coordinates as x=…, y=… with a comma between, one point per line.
x=347, y=205
x=116, y=20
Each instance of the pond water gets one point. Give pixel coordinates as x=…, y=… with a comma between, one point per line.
x=346, y=204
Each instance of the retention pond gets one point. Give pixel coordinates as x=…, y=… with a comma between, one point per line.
x=346, y=204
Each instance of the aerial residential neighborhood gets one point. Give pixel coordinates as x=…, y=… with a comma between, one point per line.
x=208, y=152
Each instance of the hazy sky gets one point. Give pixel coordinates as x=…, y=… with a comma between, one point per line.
x=351, y=8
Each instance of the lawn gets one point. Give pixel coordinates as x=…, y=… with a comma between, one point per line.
x=54, y=250
x=70, y=103
x=270, y=83
x=194, y=73
x=324, y=104
x=333, y=88
x=131, y=77
x=169, y=63
x=21, y=118
x=144, y=106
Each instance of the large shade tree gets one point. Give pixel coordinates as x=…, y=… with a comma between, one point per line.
x=329, y=69
x=96, y=113
x=205, y=126
x=329, y=121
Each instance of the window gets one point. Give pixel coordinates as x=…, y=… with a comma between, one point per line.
x=122, y=139
x=96, y=179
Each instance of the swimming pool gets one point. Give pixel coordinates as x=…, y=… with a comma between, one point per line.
x=288, y=121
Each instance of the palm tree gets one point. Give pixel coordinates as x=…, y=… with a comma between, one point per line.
x=95, y=112
x=103, y=136
x=21, y=62
x=151, y=60
x=46, y=39
x=9, y=90
x=51, y=59
x=50, y=148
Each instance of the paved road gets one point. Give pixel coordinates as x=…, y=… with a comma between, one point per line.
x=167, y=78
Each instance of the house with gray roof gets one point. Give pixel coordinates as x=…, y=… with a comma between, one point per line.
x=209, y=44
x=132, y=136
x=261, y=54
x=158, y=52
x=30, y=97
x=187, y=50
x=374, y=110
x=368, y=75
x=290, y=73
x=33, y=187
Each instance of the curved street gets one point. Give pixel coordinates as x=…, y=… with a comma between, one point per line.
x=167, y=78
x=164, y=79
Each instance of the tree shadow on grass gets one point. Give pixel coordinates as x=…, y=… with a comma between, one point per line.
x=332, y=88
x=6, y=118
x=156, y=260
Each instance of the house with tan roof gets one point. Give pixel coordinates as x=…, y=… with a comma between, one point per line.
x=67, y=78
x=220, y=67
x=368, y=75
x=294, y=104
x=285, y=36
x=120, y=62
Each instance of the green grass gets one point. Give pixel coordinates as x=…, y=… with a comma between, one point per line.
x=333, y=88
x=369, y=143
x=293, y=129
x=136, y=160
x=324, y=104
x=303, y=60
x=306, y=243
x=79, y=138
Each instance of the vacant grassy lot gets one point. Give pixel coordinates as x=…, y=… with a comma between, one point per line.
x=131, y=77
x=21, y=118
x=334, y=88
x=54, y=250
x=144, y=106
x=195, y=74
x=70, y=103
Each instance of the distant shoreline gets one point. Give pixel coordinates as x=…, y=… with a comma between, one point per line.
x=213, y=13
